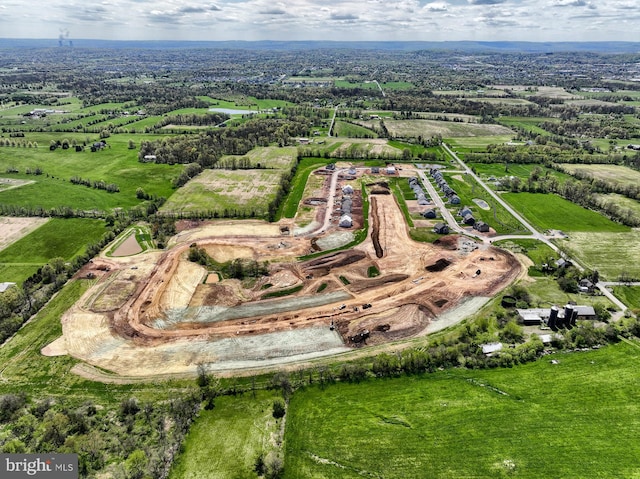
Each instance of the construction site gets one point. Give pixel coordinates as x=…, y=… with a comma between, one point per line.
x=157, y=313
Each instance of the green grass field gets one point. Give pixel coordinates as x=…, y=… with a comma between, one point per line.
x=618, y=175
x=305, y=167
x=522, y=171
x=612, y=254
x=448, y=129
x=537, y=251
x=575, y=419
x=629, y=295
x=553, y=212
x=117, y=164
x=237, y=192
x=477, y=143
x=349, y=130
x=546, y=292
x=65, y=238
x=526, y=123
x=225, y=442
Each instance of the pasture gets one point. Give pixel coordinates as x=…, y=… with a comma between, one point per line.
x=612, y=254
x=227, y=193
x=349, y=130
x=629, y=295
x=64, y=238
x=472, y=143
x=522, y=171
x=531, y=421
x=548, y=211
x=447, y=129
x=527, y=123
x=614, y=174
x=116, y=164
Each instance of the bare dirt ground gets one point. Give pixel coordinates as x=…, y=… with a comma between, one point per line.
x=15, y=228
x=154, y=314
x=128, y=247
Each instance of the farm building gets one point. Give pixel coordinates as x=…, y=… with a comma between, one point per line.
x=554, y=317
x=481, y=226
x=585, y=286
x=430, y=213
x=441, y=228
x=346, y=221
x=347, y=190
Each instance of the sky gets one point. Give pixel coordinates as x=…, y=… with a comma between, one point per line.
x=348, y=20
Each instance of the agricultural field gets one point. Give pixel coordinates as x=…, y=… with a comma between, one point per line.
x=64, y=238
x=522, y=171
x=226, y=441
x=621, y=201
x=447, y=129
x=227, y=193
x=629, y=295
x=614, y=174
x=116, y=164
x=612, y=254
x=349, y=130
x=478, y=143
x=536, y=420
x=553, y=212
x=527, y=123
x=236, y=192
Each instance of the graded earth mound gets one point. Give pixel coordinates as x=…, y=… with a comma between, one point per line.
x=155, y=313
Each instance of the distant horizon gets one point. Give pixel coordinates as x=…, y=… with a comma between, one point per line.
x=402, y=45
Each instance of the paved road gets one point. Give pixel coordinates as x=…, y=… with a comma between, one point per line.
x=536, y=234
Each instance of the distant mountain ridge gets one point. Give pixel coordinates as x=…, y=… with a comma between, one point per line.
x=460, y=46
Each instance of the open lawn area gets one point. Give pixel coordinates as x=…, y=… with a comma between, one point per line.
x=447, y=129
x=225, y=442
x=612, y=254
x=578, y=418
x=548, y=211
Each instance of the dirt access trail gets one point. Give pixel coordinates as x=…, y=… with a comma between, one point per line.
x=168, y=320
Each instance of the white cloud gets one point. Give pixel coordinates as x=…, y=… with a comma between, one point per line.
x=534, y=20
